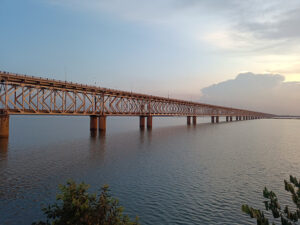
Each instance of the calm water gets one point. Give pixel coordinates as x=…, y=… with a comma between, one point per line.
x=172, y=175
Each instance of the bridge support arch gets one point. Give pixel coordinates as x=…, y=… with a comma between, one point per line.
x=4, y=126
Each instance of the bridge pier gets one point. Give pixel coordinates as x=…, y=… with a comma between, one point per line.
x=4, y=126
x=149, y=122
x=194, y=120
x=217, y=119
x=188, y=120
x=212, y=119
x=142, y=122
x=93, y=125
x=102, y=123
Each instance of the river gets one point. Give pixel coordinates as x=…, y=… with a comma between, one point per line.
x=173, y=174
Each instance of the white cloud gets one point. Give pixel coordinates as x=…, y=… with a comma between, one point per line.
x=259, y=92
x=230, y=24
x=254, y=35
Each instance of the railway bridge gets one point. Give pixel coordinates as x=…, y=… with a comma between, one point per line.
x=28, y=95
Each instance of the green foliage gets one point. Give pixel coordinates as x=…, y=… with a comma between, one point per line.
x=75, y=206
x=287, y=217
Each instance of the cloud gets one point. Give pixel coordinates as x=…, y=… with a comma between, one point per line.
x=230, y=24
x=260, y=92
x=262, y=35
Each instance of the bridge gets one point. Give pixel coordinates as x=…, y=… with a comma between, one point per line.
x=28, y=95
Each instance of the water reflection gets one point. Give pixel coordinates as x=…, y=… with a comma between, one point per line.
x=169, y=175
x=3, y=147
x=97, y=146
x=142, y=136
x=93, y=133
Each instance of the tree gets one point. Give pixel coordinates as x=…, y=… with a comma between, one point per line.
x=286, y=215
x=75, y=206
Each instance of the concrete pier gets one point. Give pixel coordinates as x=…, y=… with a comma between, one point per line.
x=194, y=120
x=102, y=123
x=188, y=120
x=93, y=123
x=4, y=126
x=149, y=122
x=142, y=122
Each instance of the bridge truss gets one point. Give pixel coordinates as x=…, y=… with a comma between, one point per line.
x=20, y=94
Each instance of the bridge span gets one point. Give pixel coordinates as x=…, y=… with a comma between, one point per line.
x=28, y=95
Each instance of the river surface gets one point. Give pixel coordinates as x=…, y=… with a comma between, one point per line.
x=173, y=174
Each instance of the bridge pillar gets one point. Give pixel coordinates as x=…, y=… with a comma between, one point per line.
x=188, y=120
x=4, y=126
x=93, y=125
x=142, y=122
x=212, y=119
x=194, y=120
x=102, y=123
x=149, y=122
x=217, y=119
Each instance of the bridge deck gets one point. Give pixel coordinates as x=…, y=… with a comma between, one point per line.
x=20, y=94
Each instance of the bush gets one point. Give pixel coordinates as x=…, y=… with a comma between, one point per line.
x=75, y=206
x=286, y=215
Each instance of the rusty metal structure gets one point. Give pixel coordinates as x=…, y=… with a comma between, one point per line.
x=21, y=94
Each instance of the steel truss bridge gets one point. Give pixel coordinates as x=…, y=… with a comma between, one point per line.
x=21, y=94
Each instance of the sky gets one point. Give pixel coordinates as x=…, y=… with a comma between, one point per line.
x=187, y=49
